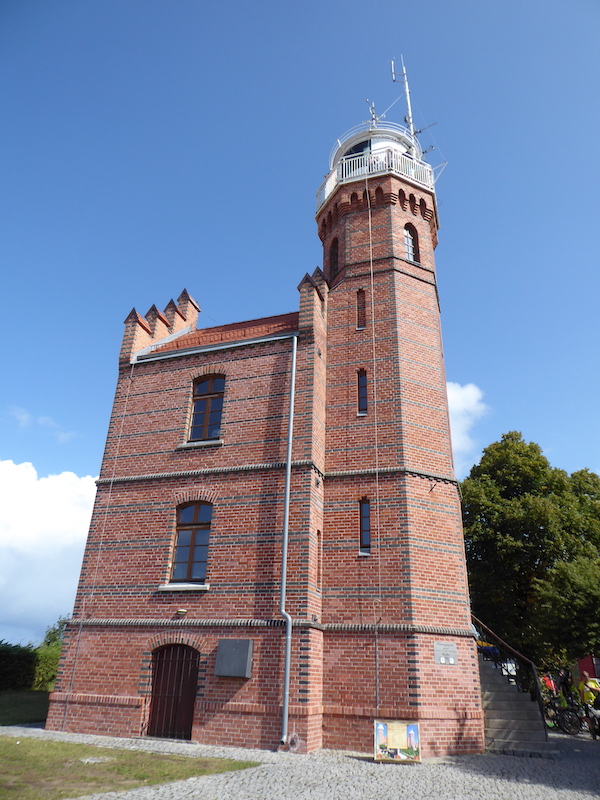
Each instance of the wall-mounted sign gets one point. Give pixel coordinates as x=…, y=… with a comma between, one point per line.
x=397, y=741
x=445, y=653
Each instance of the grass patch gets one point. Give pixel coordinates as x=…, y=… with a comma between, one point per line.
x=35, y=768
x=20, y=707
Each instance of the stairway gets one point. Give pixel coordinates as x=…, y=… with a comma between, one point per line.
x=513, y=722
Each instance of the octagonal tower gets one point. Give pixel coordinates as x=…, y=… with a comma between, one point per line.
x=395, y=596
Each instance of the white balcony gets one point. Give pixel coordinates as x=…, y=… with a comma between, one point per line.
x=351, y=168
x=386, y=148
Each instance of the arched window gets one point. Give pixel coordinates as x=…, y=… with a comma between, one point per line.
x=379, y=196
x=411, y=243
x=207, y=408
x=333, y=258
x=191, y=548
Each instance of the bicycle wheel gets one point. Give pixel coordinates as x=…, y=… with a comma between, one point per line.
x=568, y=721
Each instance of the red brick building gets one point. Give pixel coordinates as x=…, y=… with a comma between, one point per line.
x=276, y=550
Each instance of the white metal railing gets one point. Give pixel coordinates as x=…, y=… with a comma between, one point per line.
x=371, y=129
x=350, y=168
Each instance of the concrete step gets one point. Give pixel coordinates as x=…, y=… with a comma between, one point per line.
x=515, y=729
x=525, y=714
x=522, y=749
x=495, y=676
x=513, y=722
x=507, y=708
x=513, y=701
x=498, y=686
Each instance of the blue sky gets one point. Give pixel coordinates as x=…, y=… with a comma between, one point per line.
x=152, y=145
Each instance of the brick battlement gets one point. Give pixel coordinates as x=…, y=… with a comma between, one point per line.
x=141, y=332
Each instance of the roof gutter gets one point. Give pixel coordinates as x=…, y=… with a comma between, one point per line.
x=143, y=355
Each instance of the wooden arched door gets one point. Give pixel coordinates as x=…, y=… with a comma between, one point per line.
x=174, y=680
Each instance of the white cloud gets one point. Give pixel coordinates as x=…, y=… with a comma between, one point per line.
x=466, y=408
x=43, y=528
x=25, y=419
x=22, y=416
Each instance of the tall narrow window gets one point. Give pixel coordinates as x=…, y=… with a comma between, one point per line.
x=365, y=525
x=207, y=408
x=191, y=549
x=333, y=259
x=411, y=243
x=362, y=391
x=319, y=560
x=361, y=310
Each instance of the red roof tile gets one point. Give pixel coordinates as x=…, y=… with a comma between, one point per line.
x=234, y=332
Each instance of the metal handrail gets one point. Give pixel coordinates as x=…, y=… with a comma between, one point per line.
x=392, y=160
x=502, y=654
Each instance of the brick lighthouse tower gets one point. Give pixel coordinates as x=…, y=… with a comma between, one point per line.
x=395, y=595
x=275, y=555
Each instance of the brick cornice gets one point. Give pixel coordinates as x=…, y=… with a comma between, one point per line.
x=194, y=473
x=299, y=624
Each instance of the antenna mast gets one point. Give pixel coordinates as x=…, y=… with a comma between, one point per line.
x=404, y=79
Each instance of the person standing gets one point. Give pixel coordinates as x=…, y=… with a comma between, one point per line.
x=589, y=691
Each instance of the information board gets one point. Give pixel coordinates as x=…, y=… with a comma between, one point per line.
x=397, y=741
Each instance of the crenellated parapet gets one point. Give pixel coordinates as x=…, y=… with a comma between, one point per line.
x=156, y=326
x=416, y=203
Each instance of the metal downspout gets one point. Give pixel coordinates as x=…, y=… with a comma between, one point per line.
x=284, y=553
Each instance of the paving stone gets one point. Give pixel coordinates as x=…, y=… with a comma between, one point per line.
x=333, y=775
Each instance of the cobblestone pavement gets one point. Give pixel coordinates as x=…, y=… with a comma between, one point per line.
x=329, y=775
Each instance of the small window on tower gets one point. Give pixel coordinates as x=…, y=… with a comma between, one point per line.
x=319, y=560
x=333, y=259
x=365, y=526
x=191, y=549
x=207, y=408
x=362, y=392
x=361, y=310
x=411, y=244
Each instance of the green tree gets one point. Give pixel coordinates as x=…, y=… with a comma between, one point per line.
x=55, y=633
x=521, y=518
x=17, y=666
x=48, y=655
x=567, y=609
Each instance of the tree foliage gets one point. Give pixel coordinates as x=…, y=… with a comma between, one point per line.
x=55, y=633
x=48, y=655
x=29, y=667
x=523, y=518
x=17, y=666
x=568, y=607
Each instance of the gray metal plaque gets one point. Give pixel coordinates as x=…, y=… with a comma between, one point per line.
x=234, y=658
x=445, y=653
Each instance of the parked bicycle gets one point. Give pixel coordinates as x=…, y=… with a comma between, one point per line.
x=568, y=718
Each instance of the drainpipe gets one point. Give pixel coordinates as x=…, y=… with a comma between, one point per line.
x=284, y=552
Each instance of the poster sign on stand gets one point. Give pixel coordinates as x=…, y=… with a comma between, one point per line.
x=397, y=741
